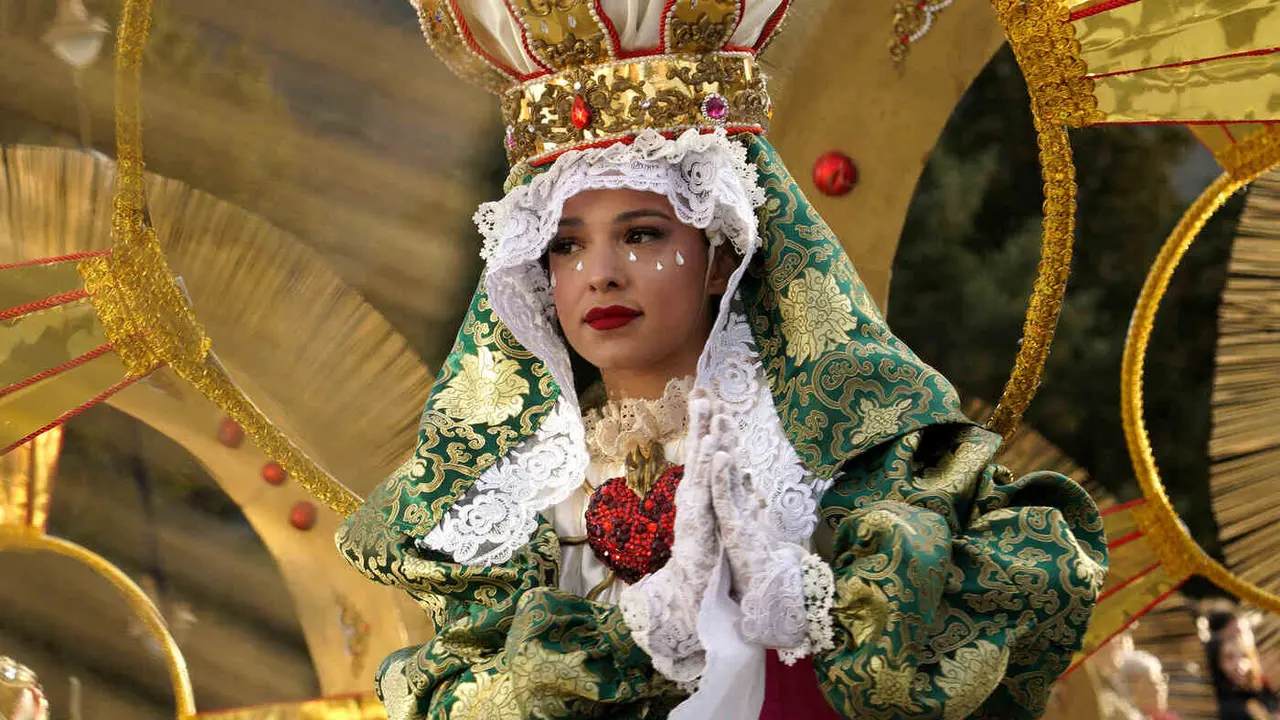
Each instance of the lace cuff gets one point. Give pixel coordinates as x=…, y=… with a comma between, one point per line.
x=665, y=625
x=819, y=596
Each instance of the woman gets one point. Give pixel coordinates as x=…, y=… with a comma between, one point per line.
x=774, y=509
x=1241, y=686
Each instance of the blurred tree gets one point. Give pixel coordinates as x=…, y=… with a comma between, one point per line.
x=967, y=260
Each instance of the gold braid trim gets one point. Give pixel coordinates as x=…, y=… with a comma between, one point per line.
x=1043, y=40
x=142, y=305
x=1254, y=155
x=1169, y=539
x=24, y=540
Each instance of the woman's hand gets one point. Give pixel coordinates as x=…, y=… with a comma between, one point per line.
x=769, y=573
x=662, y=609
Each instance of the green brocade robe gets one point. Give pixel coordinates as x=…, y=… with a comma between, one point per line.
x=960, y=591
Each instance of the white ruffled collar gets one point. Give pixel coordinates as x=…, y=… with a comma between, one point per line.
x=620, y=427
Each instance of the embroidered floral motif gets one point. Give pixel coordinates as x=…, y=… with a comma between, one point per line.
x=487, y=697
x=487, y=391
x=970, y=675
x=816, y=315
x=879, y=420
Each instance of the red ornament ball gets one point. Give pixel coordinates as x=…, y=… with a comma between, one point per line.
x=303, y=515
x=834, y=173
x=230, y=434
x=274, y=474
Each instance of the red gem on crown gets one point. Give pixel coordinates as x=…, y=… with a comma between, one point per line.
x=580, y=115
x=630, y=534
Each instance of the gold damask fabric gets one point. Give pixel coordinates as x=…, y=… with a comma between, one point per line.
x=961, y=592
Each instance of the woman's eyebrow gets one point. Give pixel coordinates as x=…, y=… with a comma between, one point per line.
x=642, y=212
x=569, y=222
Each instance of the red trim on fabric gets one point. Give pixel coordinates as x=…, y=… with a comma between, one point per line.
x=45, y=304
x=1099, y=8
x=77, y=410
x=667, y=9
x=1125, y=540
x=58, y=370
x=524, y=37
x=56, y=259
x=1124, y=627
x=1186, y=122
x=1122, y=507
x=1128, y=582
x=1188, y=63
x=1227, y=129
x=772, y=25
x=609, y=29
x=460, y=20
x=729, y=129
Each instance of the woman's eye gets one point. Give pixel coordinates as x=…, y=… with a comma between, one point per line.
x=640, y=235
x=562, y=246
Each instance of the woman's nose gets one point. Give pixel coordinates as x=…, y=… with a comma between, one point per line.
x=604, y=267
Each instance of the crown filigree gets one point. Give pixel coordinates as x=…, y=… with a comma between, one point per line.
x=572, y=75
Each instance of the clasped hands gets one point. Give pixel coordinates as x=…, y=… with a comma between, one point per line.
x=718, y=509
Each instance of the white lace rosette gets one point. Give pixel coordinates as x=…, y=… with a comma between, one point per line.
x=711, y=186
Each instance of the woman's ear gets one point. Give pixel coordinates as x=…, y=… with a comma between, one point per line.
x=723, y=262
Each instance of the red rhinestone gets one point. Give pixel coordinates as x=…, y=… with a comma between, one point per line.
x=581, y=114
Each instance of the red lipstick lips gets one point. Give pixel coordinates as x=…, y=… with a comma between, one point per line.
x=611, y=317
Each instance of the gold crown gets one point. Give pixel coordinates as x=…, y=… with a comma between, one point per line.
x=571, y=75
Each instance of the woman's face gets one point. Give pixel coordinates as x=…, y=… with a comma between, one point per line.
x=1238, y=656
x=631, y=285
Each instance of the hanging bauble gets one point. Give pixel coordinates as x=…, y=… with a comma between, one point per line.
x=834, y=173
x=303, y=515
x=230, y=434
x=274, y=474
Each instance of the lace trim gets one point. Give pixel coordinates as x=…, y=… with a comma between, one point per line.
x=819, y=596
x=498, y=514
x=620, y=427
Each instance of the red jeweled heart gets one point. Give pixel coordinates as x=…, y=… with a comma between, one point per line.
x=630, y=534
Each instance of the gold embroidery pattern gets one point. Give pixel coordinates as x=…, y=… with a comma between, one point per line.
x=952, y=599
x=665, y=93
x=970, y=675
x=487, y=391
x=816, y=315
x=487, y=697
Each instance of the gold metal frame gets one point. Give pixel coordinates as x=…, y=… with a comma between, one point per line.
x=26, y=539
x=1170, y=540
x=134, y=291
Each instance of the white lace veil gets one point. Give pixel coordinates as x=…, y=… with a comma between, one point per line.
x=711, y=186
